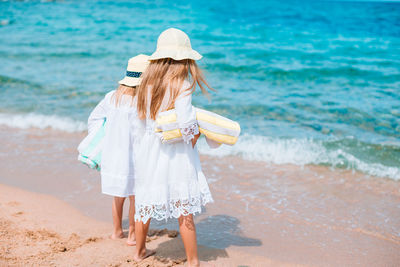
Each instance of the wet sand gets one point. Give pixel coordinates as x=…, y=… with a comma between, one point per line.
x=286, y=214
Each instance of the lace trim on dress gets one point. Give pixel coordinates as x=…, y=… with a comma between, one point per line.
x=175, y=209
x=189, y=132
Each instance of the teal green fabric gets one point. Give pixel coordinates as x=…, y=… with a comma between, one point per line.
x=86, y=157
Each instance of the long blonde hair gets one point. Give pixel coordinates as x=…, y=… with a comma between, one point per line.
x=167, y=73
x=124, y=90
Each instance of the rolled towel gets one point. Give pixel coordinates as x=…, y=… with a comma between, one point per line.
x=91, y=147
x=215, y=127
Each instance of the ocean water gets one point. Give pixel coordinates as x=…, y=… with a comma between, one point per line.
x=311, y=82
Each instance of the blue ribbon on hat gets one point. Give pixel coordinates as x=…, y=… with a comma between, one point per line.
x=133, y=74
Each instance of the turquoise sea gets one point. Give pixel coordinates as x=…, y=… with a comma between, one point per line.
x=311, y=82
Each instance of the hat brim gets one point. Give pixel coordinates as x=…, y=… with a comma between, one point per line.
x=130, y=81
x=176, y=54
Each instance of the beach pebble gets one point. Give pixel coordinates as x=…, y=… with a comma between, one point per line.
x=172, y=233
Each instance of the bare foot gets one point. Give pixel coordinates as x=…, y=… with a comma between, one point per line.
x=138, y=257
x=118, y=235
x=131, y=242
x=206, y=264
x=201, y=264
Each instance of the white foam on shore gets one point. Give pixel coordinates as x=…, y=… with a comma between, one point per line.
x=298, y=152
x=250, y=147
x=32, y=120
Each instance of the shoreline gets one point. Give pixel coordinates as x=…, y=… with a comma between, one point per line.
x=310, y=215
x=299, y=151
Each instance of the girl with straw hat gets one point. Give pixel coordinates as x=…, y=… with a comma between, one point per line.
x=169, y=181
x=122, y=133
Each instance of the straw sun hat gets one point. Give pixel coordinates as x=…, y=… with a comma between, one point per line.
x=175, y=44
x=136, y=66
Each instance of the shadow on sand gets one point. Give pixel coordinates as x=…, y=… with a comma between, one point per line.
x=222, y=231
x=214, y=235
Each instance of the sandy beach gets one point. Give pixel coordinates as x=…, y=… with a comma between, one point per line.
x=40, y=230
x=263, y=215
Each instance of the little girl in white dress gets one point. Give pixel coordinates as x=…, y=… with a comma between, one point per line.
x=121, y=138
x=169, y=182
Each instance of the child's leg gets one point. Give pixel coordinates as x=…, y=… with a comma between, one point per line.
x=131, y=236
x=117, y=206
x=187, y=230
x=141, y=252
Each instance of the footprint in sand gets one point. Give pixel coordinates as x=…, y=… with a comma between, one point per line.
x=13, y=203
x=60, y=245
x=93, y=239
x=41, y=234
x=19, y=213
x=161, y=232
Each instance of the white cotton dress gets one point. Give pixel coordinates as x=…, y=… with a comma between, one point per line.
x=120, y=140
x=169, y=181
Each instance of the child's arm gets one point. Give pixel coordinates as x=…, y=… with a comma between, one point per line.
x=186, y=117
x=212, y=143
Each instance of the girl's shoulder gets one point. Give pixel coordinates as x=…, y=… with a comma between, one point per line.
x=185, y=85
x=184, y=90
x=125, y=103
x=108, y=97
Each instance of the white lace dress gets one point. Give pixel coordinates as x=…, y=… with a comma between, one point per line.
x=169, y=181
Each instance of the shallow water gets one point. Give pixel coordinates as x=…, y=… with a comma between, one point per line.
x=310, y=83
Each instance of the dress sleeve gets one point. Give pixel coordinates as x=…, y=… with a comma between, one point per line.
x=98, y=114
x=186, y=116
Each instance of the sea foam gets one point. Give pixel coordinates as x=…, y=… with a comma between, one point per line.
x=299, y=152
x=33, y=120
x=250, y=147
